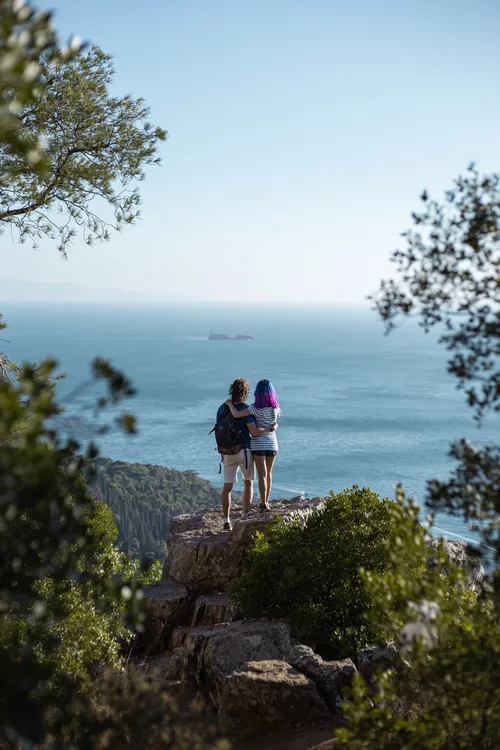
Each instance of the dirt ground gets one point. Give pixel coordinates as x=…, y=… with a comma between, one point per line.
x=309, y=739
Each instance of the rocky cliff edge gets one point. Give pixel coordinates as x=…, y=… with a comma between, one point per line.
x=257, y=677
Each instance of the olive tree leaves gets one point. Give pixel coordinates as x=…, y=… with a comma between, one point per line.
x=448, y=275
x=95, y=148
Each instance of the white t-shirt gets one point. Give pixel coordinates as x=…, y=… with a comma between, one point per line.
x=265, y=418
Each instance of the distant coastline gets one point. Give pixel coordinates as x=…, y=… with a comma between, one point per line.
x=21, y=292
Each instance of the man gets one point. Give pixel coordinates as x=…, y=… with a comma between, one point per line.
x=239, y=392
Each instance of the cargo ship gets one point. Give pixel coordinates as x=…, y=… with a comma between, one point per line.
x=227, y=337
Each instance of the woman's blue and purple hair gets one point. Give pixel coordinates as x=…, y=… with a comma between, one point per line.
x=265, y=395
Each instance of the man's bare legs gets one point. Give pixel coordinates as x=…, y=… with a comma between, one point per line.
x=226, y=500
x=260, y=463
x=269, y=467
x=246, y=498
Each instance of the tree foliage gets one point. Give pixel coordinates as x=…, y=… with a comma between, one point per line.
x=68, y=596
x=96, y=146
x=144, y=499
x=86, y=636
x=449, y=276
x=309, y=575
x=25, y=36
x=444, y=693
x=52, y=548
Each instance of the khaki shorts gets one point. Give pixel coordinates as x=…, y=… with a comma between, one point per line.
x=233, y=463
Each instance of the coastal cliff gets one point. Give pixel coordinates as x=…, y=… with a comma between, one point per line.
x=255, y=674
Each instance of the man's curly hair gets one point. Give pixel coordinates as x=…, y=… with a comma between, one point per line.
x=239, y=390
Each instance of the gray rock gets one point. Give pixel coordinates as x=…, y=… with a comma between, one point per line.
x=168, y=605
x=185, y=636
x=462, y=554
x=332, y=678
x=214, y=653
x=170, y=666
x=212, y=609
x=269, y=695
x=375, y=657
x=224, y=651
x=205, y=558
x=197, y=638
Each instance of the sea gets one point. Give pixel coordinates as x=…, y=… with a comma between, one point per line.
x=359, y=407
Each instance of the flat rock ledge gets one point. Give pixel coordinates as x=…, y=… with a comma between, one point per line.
x=204, y=557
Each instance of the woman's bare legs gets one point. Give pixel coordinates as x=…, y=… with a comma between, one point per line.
x=260, y=463
x=269, y=470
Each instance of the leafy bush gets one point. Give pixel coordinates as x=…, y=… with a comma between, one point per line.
x=131, y=710
x=444, y=692
x=309, y=575
x=81, y=633
x=86, y=636
x=59, y=572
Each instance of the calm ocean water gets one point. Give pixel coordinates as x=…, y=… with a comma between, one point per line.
x=358, y=407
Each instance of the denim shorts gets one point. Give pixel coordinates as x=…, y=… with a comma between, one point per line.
x=265, y=453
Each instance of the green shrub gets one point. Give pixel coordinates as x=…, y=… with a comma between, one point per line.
x=444, y=693
x=130, y=709
x=64, y=589
x=309, y=575
x=83, y=634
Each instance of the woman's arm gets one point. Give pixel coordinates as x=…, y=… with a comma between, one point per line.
x=236, y=414
x=255, y=431
x=252, y=427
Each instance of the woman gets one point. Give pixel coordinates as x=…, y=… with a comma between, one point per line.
x=266, y=411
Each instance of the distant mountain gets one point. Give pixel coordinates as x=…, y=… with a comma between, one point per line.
x=16, y=290
x=144, y=498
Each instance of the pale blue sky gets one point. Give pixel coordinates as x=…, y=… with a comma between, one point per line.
x=301, y=134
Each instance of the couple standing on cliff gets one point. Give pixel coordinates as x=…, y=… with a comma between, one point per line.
x=246, y=438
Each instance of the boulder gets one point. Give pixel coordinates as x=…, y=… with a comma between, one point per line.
x=186, y=637
x=170, y=666
x=221, y=652
x=212, y=609
x=268, y=695
x=205, y=558
x=375, y=657
x=168, y=604
x=197, y=638
x=462, y=554
x=332, y=678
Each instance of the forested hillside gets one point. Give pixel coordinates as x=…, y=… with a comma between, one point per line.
x=144, y=498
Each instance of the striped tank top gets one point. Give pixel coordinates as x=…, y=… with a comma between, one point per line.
x=265, y=418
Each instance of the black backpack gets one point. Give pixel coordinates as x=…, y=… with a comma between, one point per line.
x=228, y=434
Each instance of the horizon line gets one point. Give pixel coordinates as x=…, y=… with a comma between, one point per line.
x=189, y=301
